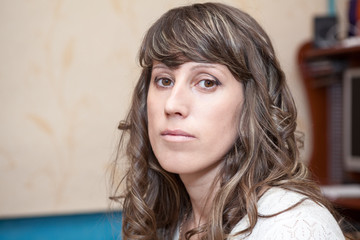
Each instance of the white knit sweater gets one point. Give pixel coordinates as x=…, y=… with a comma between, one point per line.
x=307, y=221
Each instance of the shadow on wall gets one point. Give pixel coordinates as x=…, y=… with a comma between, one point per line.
x=84, y=226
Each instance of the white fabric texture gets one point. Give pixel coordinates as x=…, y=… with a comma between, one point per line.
x=307, y=221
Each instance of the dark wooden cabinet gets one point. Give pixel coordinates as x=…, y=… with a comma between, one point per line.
x=321, y=70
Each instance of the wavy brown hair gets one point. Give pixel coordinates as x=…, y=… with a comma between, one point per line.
x=265, y=153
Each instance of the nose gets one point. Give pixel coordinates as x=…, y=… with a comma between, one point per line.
x=177, y=103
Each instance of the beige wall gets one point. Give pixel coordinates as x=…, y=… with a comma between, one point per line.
x=67, y=69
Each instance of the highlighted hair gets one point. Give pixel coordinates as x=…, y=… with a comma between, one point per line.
x=266, y=151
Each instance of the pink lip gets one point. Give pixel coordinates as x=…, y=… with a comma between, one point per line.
x=176, y=135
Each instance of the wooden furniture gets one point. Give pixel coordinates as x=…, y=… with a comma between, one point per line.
x=316, y=80
x=320, y=69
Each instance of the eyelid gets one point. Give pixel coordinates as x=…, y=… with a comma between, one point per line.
x=157, y=81
x=210, y=78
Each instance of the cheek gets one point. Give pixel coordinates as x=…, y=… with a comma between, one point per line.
x=151, y=116
x=221, y=126
x=155, y=112
x=222, y=116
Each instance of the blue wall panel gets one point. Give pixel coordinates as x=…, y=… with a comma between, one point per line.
x=84, y=226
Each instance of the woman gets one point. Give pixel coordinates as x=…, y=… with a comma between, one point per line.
x=211, y=136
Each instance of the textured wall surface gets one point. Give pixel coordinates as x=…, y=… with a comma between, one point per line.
x=67, y=69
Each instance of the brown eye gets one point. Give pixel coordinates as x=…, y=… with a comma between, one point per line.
x=208, y=83
x=164, y=82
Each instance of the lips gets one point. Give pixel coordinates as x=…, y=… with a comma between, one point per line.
x=177, y=135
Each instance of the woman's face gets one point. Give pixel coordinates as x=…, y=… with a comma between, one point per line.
x=193, y=112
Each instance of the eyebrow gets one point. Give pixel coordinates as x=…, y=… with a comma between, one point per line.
x=160, y=66
x=204, y=65
x=199, y=65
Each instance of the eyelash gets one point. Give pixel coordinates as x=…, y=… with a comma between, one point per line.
x=159, y=82
x=216, y=83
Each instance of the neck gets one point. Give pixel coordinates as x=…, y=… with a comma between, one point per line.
x=201, y=189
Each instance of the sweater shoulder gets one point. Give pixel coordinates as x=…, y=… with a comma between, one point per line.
x=307, y=220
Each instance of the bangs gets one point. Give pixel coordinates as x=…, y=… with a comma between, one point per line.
x=185, y=34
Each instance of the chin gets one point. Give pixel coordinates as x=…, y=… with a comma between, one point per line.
x=171, y=168
x=176, y=166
